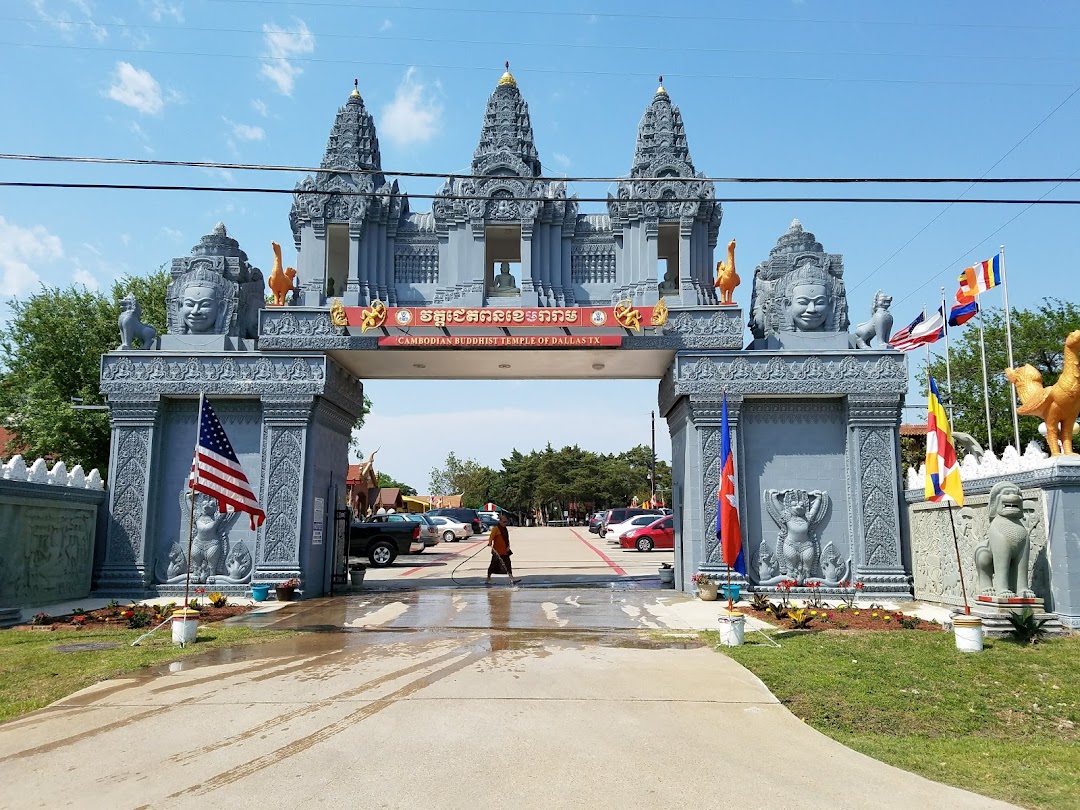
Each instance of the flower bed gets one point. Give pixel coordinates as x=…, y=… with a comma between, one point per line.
x=839, y=618
x=132, y=616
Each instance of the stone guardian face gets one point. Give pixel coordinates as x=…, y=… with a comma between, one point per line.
x=808, y=307
x=200, y=307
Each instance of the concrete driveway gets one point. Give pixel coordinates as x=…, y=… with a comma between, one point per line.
x=414, y=705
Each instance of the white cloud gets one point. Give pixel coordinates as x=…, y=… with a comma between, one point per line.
x=125, y=239
x=260, y=107
x=414, y=116
x=18, y=248
x=137, y=89
x=159, y=10
x=561, y=159
x=70, y=18
x=172, y=233
x=84, y=277
x=281, y=46
x=245, y=132
x=386, y=26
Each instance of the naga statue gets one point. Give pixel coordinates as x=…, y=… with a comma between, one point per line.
x=132, y=328
x=1058, y=405
x=1002, y=563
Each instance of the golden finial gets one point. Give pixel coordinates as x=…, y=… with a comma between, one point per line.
x=660, y=90
x=355, y=89
x=506, y=77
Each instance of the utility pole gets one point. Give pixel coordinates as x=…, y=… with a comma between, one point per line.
x=652, y=461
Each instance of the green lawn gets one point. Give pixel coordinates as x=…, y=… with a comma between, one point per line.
x=1004, y=723
x=34, y=674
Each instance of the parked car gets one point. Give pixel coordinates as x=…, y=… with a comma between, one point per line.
x=429, y=532
x=658, y=534
x=614, y=516
x=461, y=515
x=630, y=523
x=381, y=541
x=488, y=519
x=451, y=530
x=595, y=519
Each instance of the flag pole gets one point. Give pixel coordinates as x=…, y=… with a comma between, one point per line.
x=986, y=387
x=191, y=496
x=1008, y=345
x=948, y=364
x=959, y=567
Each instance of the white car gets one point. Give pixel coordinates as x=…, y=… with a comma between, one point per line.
x=635, y=522
x=452, y=531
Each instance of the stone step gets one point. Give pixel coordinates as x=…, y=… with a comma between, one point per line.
x=997, y=625
x=9, y=617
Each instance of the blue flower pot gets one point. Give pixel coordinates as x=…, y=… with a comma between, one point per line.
x=260, y=592
x=731, y=591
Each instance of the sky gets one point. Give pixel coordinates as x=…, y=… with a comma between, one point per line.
x=776, y=89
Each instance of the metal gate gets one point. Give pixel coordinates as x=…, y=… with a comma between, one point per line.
x=340, y=575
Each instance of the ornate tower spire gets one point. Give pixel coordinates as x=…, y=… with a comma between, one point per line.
x=661, y=136
x=353, y=144
x=506, y=138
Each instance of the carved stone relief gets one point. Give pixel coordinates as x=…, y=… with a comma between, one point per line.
x=215, y=558
x=128, y=503
x=283, y=495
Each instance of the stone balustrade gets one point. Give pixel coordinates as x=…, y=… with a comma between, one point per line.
x=59, y=476
x=989, y=465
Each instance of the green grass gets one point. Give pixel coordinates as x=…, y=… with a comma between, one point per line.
x=1004, y=723
x=34, y=674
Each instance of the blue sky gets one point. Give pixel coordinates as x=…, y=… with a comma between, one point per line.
x=769, y=89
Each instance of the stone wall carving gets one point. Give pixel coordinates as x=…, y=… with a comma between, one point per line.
x=59, y=476
x=131, y=445
x=225, y=374
x=280, y=540
x=869, y=372
x=215, y=558
x=416, y=262
x=705, y=329
x=48, y=547
x=879, y=497
x=934, y=558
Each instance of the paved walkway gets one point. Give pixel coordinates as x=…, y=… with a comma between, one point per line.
x=469, y=698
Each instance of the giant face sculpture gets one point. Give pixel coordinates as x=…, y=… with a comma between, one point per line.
x=200, y=306
x=809, y=307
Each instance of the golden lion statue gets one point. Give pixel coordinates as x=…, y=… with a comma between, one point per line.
x=1058, y=405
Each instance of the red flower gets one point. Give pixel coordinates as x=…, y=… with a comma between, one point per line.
x=859, y=586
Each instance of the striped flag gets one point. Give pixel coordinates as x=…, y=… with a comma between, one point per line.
x=920, y=331
x=728, y=530
x=216, y=472
x=942, y=469
x=981, y=277
x=961, y=313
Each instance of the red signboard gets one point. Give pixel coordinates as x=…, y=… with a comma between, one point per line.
x=622, y=315
x=501, y=341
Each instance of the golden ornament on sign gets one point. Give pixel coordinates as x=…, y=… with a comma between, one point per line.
x=373, y=317
x=337, y=314
x=659, y=313
x=1058, y=405
x=627, y=316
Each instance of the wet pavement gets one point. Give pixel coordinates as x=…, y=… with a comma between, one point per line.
x=466, y=698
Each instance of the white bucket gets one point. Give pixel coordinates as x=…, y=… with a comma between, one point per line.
x=184, y=628
x=732, y=629
x=969, y=633
x=356, y=577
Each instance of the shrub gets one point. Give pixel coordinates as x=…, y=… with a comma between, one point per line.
x=139, y=618
x=800, y=618
x=1027, y=628
x=778, y=609
x=759, y=602
x=218, y=599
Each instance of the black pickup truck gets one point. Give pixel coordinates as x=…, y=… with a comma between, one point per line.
x=382, y=541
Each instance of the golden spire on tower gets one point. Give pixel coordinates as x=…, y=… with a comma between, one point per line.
x=355, y=89
x=660, y=90
x=506, y=77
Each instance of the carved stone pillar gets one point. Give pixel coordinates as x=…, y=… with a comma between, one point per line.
x=135, y=424
x=874, y=492
x=285, y=427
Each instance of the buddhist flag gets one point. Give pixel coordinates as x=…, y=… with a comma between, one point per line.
x=728, y=530
x=980, y=278
x=942, y=469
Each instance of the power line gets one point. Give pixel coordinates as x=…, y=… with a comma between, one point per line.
x=535, y=70
x=489, y=197
x=268, y=167
x=609, y=46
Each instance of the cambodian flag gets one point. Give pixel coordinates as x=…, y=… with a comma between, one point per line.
x=962, y=313
x=728, y=530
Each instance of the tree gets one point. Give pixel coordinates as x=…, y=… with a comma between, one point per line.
x=472, y=480
x=52, y=346
x=386, y=482
x=1038, y=339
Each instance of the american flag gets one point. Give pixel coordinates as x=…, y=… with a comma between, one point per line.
x=216, y=472
x=920, y=331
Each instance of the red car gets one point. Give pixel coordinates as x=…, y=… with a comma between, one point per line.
x=659, y=534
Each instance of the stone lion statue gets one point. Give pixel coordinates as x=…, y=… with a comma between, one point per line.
x=132, y=328
x=1002, y=563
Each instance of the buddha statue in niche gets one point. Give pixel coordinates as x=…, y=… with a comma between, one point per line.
x=504, y=282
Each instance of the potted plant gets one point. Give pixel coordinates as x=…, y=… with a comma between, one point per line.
x=287, y=590
x=667, y=574
x=260, y=592
x=706, y=587
x=356, y=575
